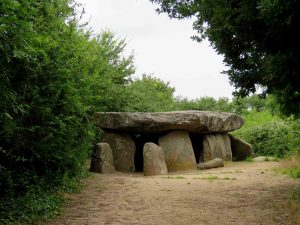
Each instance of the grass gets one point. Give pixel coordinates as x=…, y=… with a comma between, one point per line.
x=213, y=178
x=253, y=119
x=231, y=172
x=249, y=159
x=210, y=178
x=293, y=205
x=290, y=167
x=293, y=172
x=174, y=177
x=273, y=159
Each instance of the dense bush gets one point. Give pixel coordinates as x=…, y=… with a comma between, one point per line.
x=53, y=76
x=271, y=136
x=269, y=139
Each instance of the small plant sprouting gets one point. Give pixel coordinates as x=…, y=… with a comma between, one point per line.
x=249, y=159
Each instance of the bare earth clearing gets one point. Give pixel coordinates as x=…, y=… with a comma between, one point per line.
x=239, y=193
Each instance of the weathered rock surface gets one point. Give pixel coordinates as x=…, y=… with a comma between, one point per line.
x=264, y=159
x=216, y=146
x=190, y=121
x=102, y=160
x=178, y=151
x=154, y=160
x=240, y=149
x=123, y=149
x=227, y=146
x=214, y=163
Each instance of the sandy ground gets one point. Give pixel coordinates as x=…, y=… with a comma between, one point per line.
x=239, y=193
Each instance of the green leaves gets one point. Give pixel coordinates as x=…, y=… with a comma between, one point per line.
x=259, y=41
x=53, y=77
x=150, y=94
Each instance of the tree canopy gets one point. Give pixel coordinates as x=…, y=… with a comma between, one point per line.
x=259, y=41
x=151, y=94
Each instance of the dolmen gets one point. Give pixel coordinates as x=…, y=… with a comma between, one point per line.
x=161, y=142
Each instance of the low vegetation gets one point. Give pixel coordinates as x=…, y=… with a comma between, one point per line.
x=213, y=178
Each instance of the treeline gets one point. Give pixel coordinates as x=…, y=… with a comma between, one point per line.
x=152, y=94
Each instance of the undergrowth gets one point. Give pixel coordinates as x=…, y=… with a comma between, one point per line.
x=39, y=204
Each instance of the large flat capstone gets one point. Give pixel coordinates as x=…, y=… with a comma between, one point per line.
x=157, y=122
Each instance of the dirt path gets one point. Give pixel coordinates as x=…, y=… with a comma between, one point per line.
x=239, y=193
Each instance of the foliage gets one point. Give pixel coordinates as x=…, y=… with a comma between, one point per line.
x=249, y=159
x=293, y=171
x=271, y=137
x=38, y=204
x=204, y=103
x=259, y=40
x=150, y=94
x=253, y=103
x=107, y=74
x=291, y=166
x=237, y=105
x=253, y=119
x=53, y=76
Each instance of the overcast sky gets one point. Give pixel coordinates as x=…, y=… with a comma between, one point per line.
x=161, y=46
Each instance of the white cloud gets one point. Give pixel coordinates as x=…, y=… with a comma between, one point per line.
x=162, y=46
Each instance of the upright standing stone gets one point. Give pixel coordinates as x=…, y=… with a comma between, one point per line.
x=240, y=149
x=227, y=147
x=216, y=146
x=178, y=151
x=123, y=149
x=102, y=160
x=209, y=146
x=154, y=160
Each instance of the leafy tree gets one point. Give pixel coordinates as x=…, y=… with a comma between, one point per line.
x=150, y=94
x=53, y=76
x=40, y=108
x=107, y=73
x=224, y=105
x=259, y=40
x=248, y=104
x=204, y=104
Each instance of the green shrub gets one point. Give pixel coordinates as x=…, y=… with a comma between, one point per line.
x=276, y=138
x=37, y=204
x=269, y=139
x=270, y=135
x=53, y=77
x=249, y=159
